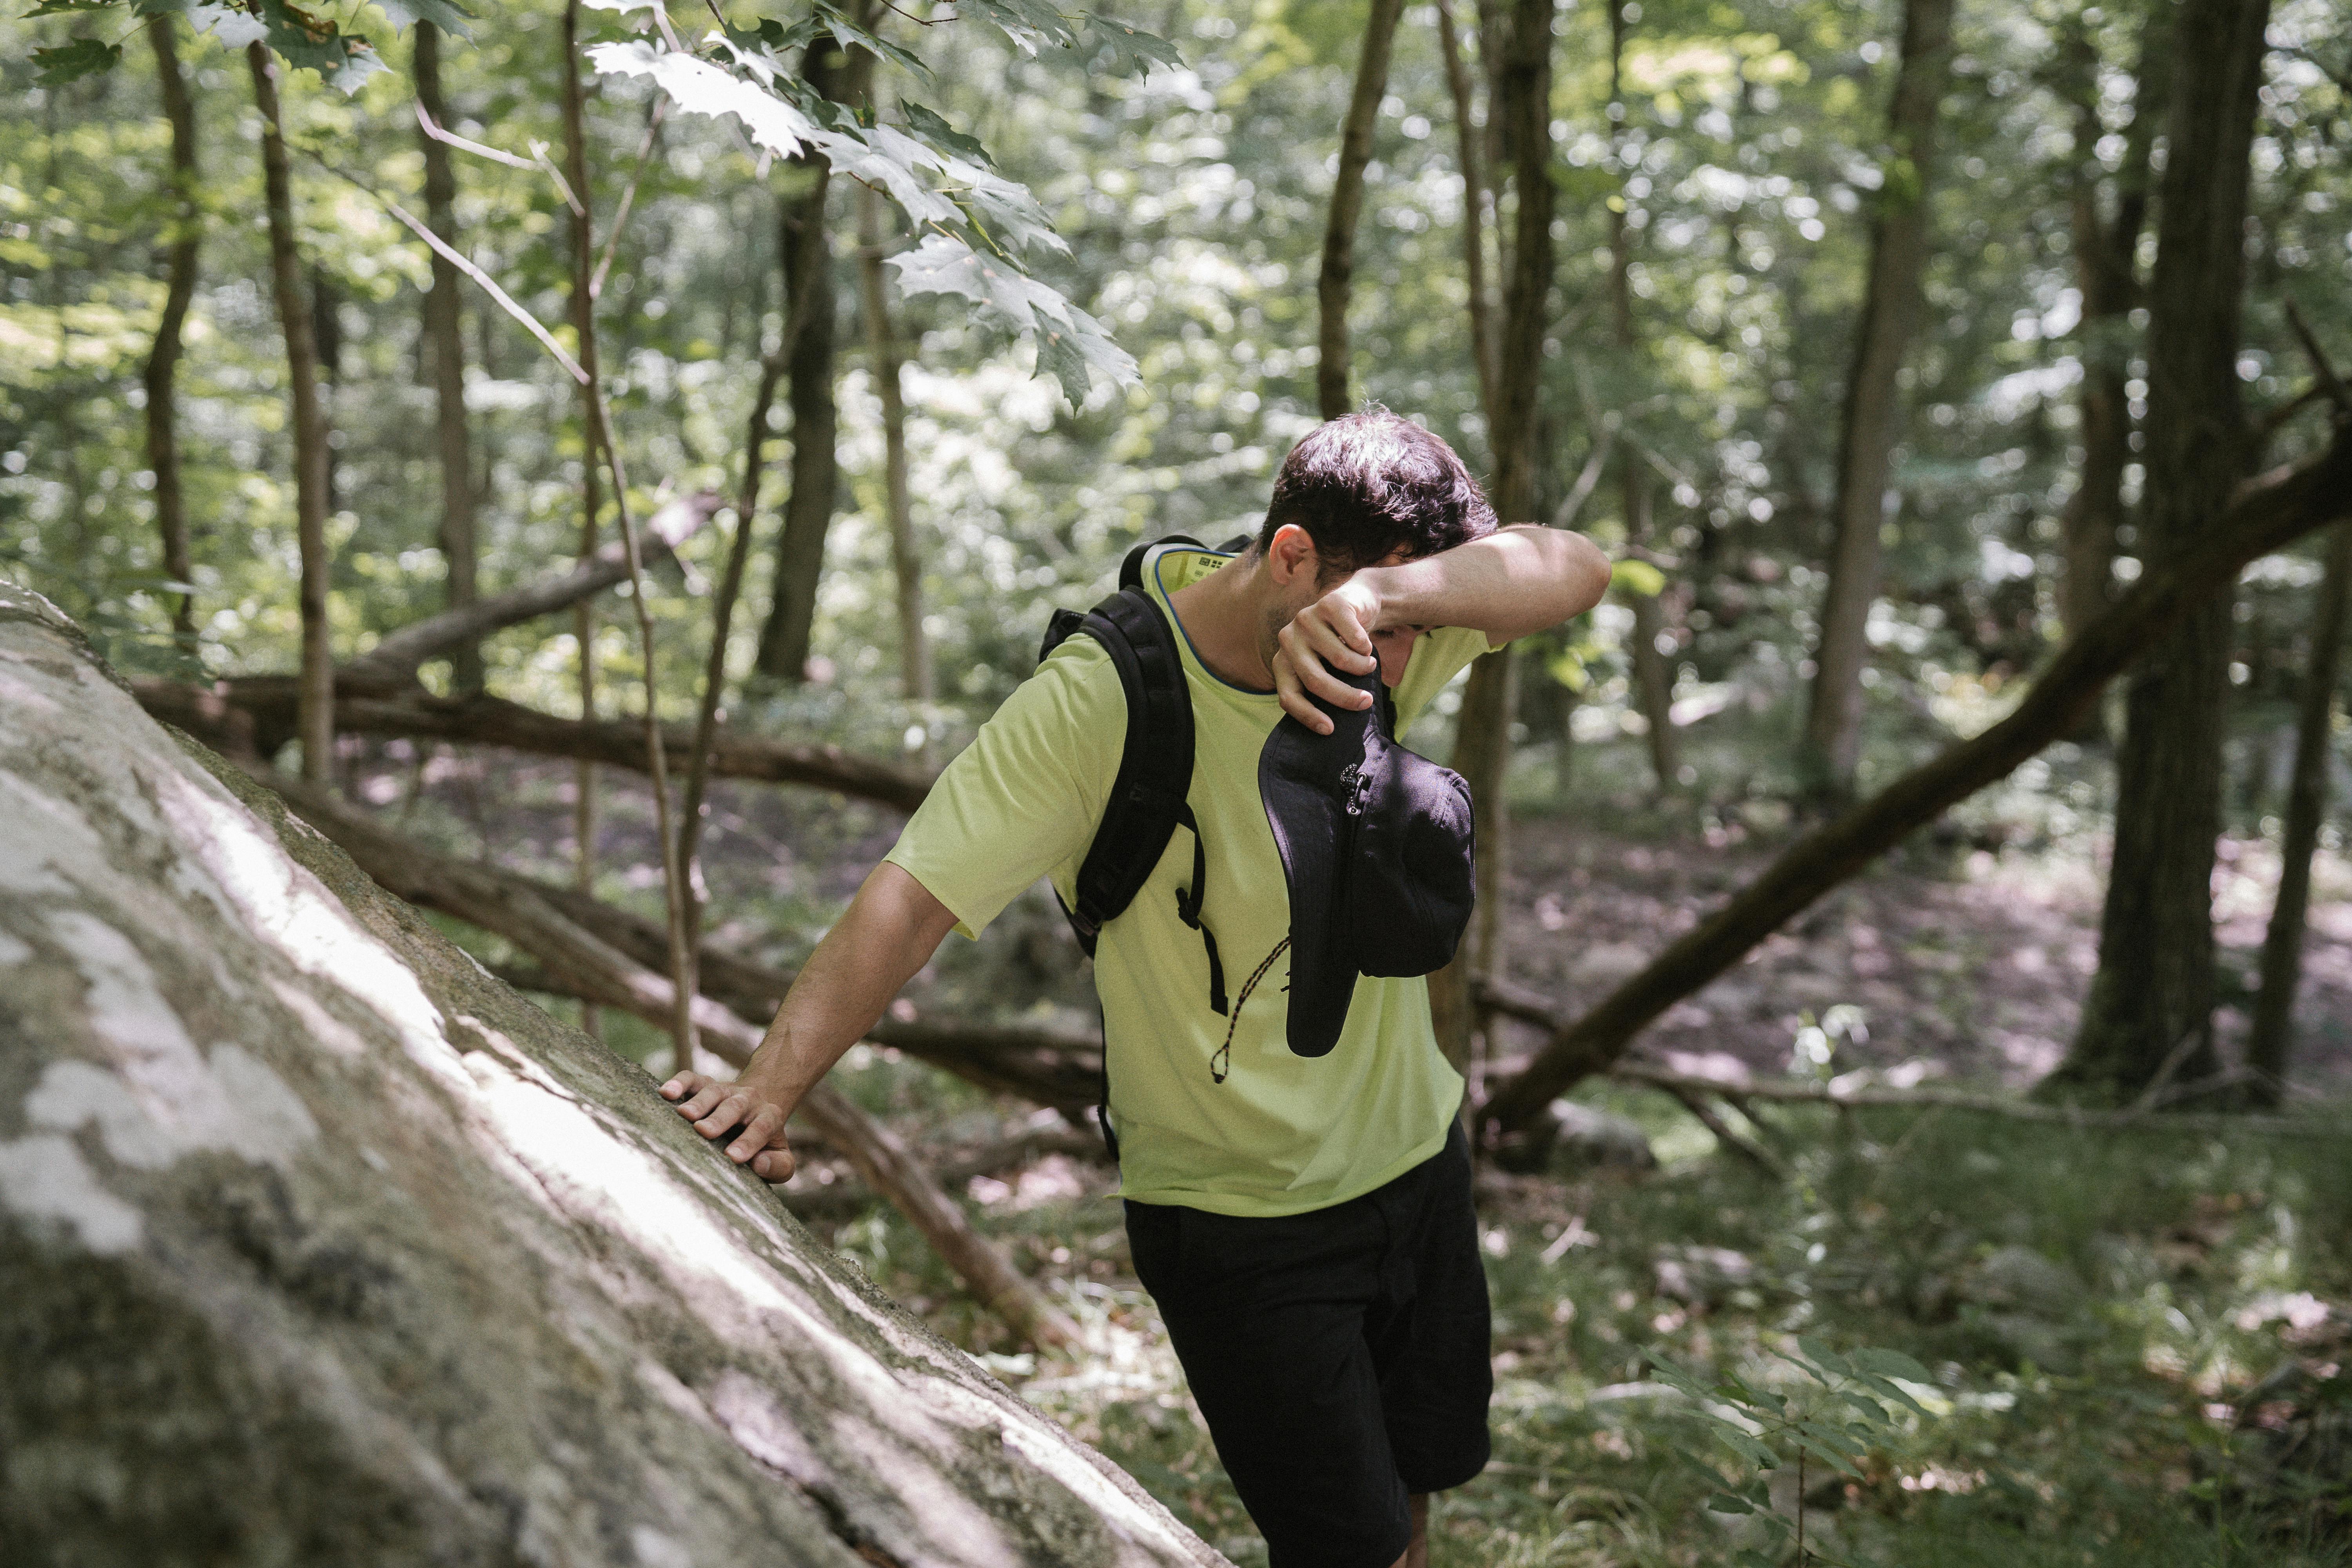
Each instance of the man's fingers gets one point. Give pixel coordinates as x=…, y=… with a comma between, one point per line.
x=1340, y=640
x=730, y=1110
x=708, y=1093
x=1294, y=701
x=682, y=1084
x=776, y=1164
x=758, y=1132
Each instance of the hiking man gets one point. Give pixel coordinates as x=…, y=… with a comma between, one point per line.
x=1304, y=1223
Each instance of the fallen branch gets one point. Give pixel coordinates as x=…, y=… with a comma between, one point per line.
x=483, y=897
x=392, y=664
x=840, y=1199
x=1530, y=1008
x=240, y=717
x=2268, y=513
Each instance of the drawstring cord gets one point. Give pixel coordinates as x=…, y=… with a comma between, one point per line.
x=1225, y=1052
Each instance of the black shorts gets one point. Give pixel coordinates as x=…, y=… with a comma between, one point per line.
x=1340, y=1356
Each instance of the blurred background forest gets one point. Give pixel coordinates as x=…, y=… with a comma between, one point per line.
x=1901, y=353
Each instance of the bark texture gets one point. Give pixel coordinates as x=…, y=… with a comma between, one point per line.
x=1336, y=278
x=1482, y=745
x=336, y=1251
x=2267, y=514
x=883, y=349
x=287, y=283
x=185, y=238
x=1471, y=136
x=2106, y=244
x=810, y=329
x=2272, y=1038
x=2153, y=995
x=445, y=348
x=1871, y=419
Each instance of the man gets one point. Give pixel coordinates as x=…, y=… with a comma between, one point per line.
x=1304, y=1225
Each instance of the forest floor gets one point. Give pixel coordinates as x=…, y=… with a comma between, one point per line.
x=2137, y=1345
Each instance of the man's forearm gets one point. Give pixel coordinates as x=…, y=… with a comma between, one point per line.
x=889, y=934
x=1513, y=582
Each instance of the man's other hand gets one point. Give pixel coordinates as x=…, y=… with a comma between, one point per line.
x=721, y=1107
x=1335, y=632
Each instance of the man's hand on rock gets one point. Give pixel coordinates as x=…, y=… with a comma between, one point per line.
x=1335, y=632
x=752, y=1121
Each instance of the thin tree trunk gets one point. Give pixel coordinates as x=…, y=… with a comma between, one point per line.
x=1654, y=678
x=2268, y=514
x=2273, y=1036
x=1871, y=420
x=446, y=347
x=1482, y=745
x=906, y=560
x=583, y=327
x=1475, y=196
x=1338, y=276
x=2153, y=995
x=838, y=74
x=317, y=703
x=186, y=235
x=676, y=895
x=2106, y=247
x=714, y=693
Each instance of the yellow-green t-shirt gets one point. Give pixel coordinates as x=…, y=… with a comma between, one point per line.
x=1282, y=1133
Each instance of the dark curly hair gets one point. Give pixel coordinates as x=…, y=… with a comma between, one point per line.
x=1366, y=484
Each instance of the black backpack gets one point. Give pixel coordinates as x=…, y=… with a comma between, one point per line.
x=1148, y=800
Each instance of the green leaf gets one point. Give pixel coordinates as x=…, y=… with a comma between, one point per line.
x=1133, y=51
x=65, y=7
x=73, y=60
x=1723, y=1502
x=698, y=87
x=1637, y=576
x=1822, y=1356
x=1889, y=1390
x=935, y=130
x=1028, y=22
x=311, y=42
x=1072, y=346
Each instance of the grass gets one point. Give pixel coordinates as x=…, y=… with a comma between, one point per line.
x=2094, y=1312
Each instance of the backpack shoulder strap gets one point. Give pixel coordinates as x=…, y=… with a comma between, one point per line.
x=1155, y=766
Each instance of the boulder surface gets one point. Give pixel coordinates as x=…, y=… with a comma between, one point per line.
x=319, y=1245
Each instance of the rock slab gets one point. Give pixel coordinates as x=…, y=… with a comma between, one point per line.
x=319, y=1246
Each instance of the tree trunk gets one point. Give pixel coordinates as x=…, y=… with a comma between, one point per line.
x=1871, y=420
x=1653, y=677
x=2107, y=246
x=1482, y=745
x=2272, y=1039
x=2153, y=995
x=584, y=329
x=2267, y=514
x=1338, y=276
x=287, y=283
x=906, y=560
x=350, y=1255
x=446, y=349
x=185, y=233
x=1475, y=193
x=836, y=73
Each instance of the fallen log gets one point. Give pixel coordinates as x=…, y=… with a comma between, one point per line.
x=2268, y=513
x=250, y=717
x=319, y=1246
x=519, y=912
x=393, y=661
x=1528, y=1006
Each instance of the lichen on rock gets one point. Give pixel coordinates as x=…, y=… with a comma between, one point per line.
x=317, y=1245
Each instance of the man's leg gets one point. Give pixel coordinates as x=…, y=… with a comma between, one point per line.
x=1416, y=1555
x=1267, y=1316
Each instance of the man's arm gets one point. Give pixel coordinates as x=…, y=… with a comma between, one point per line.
x=1512, y=582
x=889, y=933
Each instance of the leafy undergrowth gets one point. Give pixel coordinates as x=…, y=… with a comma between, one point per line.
x=2134, y=1348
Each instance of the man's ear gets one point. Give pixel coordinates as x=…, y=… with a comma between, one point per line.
x=1291, y=552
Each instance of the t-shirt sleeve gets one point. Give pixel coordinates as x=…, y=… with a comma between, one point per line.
x=1438, y=656
x=1024, y=799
